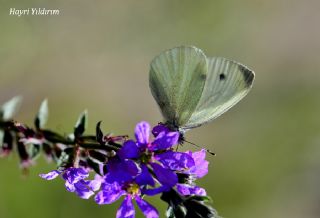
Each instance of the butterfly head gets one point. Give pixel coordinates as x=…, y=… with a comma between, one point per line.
x=172, y=126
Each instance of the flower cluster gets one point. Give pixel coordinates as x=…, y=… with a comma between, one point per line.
x=124, y=168
x=140, y=167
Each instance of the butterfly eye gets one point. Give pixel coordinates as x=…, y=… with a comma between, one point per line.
x=222, y=77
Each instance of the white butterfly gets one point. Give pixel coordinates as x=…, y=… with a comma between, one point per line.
x=192, y=89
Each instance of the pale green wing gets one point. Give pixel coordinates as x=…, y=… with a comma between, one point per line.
x=177, y=77
x=227, y=83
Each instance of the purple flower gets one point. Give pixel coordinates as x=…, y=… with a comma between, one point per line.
x=122, y=171
x=156, y=154
x=111, y=192
x=75, y=181
x=160, y=128
x=186, y=189
x=200, y=169
x=129, y=172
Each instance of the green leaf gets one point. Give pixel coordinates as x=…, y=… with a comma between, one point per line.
x=55, y=137
x=6, y=141
x=1, y=138
x=99, y=133
x=33, y=150
x=170, y=212
x=81, y=124
x=94, y=165
x=42, y=116
x=187, y=206
x=9, y=108
x=199, y=209
x=201, y=198
x=97, y=156
x=66, y=159
x=22, y=151
x=48, y=149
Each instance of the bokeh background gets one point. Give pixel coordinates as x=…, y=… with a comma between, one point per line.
x=95, y=55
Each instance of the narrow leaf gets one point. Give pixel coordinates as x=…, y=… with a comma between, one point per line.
x=42, y=116
x=95, y=166
x=55, y=137
x=33, y=151
x=22, y=151
x=81, y=124
x=66, y=159
x=99, y=133
x=9, y=108
x=1, y=138
x=100, y=157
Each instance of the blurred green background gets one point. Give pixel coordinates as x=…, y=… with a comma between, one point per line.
x=96, y=55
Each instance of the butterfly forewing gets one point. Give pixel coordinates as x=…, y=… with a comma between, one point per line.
x=177, y=78
x=226, y=84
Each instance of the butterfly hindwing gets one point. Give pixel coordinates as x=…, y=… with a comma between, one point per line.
x=226, y=84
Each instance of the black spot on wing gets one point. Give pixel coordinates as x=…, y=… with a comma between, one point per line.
x=222, y=77
x=247, y=74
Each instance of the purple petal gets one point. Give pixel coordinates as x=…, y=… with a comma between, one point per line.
x=111, y=187
x=185, y=189
x=69, y=186
x=73, y=175
x=121, y=171
x=201, y=165
x=164, y=141
x=147, y=209
x=176, y=160
x=109, y=194
x=104, y=198
x=165, y=176
x=129, y=150
x=98, y=180
x=144, y=177
x=142, y=132
x=159, y=128
x=155, y=191
x=94, y=185
x=126, y=209
x=83, y=190
x=51, y=175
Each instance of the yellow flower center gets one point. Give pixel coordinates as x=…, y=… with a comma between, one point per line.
x=146, y=157
x=133, y=189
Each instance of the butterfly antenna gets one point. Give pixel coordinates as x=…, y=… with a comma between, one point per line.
x=207, y=150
